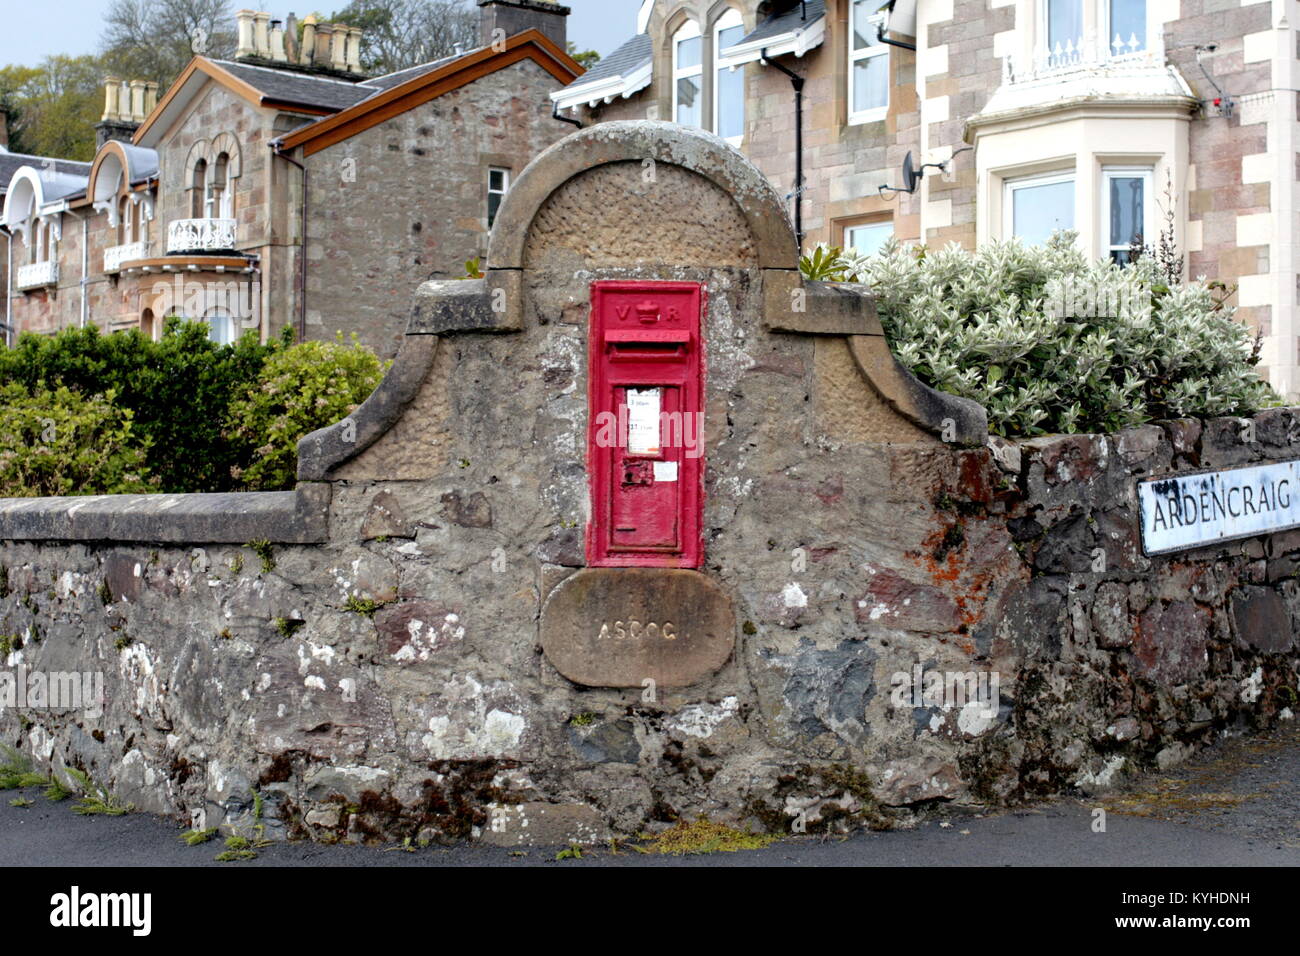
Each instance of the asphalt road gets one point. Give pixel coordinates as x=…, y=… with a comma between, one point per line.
x=1235, y=805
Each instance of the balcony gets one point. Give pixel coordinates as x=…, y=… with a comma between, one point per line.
x=200, y=235
x=1123, y=73
x=37, y=274
x=114, y=256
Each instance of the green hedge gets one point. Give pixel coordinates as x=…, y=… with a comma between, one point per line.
x=175, y=399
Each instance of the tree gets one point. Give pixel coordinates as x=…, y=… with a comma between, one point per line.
x=53, y=107
x=399, y=34
x=156, y=39
x=586, y=58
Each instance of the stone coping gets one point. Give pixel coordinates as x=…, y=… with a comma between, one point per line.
x=284, y=517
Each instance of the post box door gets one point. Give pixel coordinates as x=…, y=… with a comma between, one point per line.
x=645, y=440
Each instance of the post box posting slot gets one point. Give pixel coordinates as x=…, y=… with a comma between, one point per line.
x=645, y=440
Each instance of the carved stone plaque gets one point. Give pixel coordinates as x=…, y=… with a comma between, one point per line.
x=619, y=627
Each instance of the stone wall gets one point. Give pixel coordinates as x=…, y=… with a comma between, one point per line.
x=383, y=662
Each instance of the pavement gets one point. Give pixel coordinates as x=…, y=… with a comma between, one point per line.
x=1236, y=804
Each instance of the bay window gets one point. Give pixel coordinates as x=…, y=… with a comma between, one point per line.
x=728, y=81
x=868, y=63
x=1126, y=192
x=688, y=75
x=1036, y=206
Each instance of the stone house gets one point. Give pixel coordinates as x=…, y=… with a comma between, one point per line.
x=1116, y=118
x=197, y=201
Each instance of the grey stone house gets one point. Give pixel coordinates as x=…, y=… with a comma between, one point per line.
x=198, y=205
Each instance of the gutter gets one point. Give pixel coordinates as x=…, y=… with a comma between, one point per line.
x=797, y=82
x=555, y=114
x=277, y=149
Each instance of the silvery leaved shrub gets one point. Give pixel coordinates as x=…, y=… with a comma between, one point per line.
x=1049, y=341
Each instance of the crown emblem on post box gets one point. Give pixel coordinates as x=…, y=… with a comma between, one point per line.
x=647, y=312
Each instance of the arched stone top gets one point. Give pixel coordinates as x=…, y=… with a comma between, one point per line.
x=640, y=141
x=208, y=150
x=117, y=167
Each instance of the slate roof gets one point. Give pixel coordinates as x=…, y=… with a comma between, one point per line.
x=621, y=62
x=302, y=89
x=10, y=163
x=388, y=81
x=786, y=22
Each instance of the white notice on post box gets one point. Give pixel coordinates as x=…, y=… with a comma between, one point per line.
x=1187, y=511
x=643, y=421
x=665, y=471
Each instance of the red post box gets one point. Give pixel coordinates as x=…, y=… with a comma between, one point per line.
x=645, y=447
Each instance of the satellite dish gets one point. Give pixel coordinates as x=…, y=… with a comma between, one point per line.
x=910, y=175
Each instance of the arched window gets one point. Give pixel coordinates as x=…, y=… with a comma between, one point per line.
x=688, y=75
x=199, y=190
x=147, y=327
x=728, y=81
x=222, y=204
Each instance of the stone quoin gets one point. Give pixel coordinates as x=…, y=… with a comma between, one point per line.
x=422, y=646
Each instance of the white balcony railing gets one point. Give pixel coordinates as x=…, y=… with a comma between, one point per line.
x=114, y=256
x=201, y=235
x=36, y=274
x=1085, y=55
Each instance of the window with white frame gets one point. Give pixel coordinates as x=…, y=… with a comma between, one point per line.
x=868, y=63
x=1069, y=30
x=729, y=80
x=1126, y=26
x=867, y=238
x=688, y=75
x=498, y=186
x=1034, y=207
x=1126, y=196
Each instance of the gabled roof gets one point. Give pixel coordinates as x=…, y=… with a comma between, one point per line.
x=259, y=85
x=796, y=29
x=425, y=84
x=622, y=73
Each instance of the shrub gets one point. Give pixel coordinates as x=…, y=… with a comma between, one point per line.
x=1049, y=341
x=57, y=442
x=300, y=389
x=178, y=390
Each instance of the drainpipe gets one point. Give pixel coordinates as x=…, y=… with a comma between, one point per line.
x=302, y=255
x=9, y=278
x=797, y=82
x=881, y=38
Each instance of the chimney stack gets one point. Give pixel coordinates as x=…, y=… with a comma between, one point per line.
x=333, y=48
x=516, y=16
x=126, y=104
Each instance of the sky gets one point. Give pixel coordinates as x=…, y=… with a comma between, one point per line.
x=73, y=26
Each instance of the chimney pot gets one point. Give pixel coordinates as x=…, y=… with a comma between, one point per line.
x=354, y=49
x=112, y=92
x=261, y=45
x=244, y=25
x=338, y=47
x=277, y=42
x=137, y=101
x=308, y=50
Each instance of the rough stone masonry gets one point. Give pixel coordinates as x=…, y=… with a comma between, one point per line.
x=894, y=612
